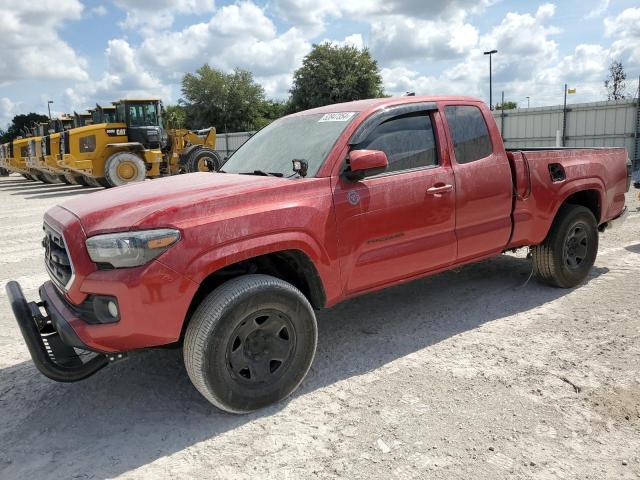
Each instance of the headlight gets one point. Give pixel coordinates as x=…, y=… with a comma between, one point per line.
x=131, y=249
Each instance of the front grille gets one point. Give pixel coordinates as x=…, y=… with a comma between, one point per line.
x=56, y=257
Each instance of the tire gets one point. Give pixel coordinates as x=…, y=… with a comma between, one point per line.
x=71, y=178
x=92, y=182
x=201, y=160
x=64, y=179
x=49, y=178
x=280, y=337
x=82, y=180
x=124, y=167
x=29, y=177
x=566, y=256
x=4, y=172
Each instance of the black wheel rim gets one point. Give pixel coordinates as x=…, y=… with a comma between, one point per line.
x=260, y=348
x=576, y=247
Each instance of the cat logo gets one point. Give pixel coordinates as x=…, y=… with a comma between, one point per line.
x=116, y=132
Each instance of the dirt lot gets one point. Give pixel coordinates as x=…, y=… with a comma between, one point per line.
x=468, y=374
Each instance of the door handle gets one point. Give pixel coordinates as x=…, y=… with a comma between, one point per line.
x=435, y=190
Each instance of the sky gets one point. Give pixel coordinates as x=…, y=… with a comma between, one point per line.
x=77, y=53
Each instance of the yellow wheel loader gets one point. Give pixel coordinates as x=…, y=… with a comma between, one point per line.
x=45, y=150
x=18, y=154
x=192, y=151
x=4, y=165
x=116, y=153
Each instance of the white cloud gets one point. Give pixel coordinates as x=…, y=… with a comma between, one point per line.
x=150, y=15
x=98, y=11
x=599, y=10
x=625, y=28
x=8, y=109
x=30, y=46
x=399, y=38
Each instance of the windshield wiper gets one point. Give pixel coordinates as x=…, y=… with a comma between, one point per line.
x=263, y=173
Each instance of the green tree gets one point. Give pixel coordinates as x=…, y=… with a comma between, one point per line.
x=270, y=110
x=19, y=123
x=507, y=106
x=333, y=74
x=175, y=116
x=615, y=82
x=231, y=102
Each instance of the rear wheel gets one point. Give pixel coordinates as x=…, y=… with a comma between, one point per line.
x=29, y=177
x=4, y=172
x=201, y=160
x=250, y=343
x=124, y=167
x=566, y=256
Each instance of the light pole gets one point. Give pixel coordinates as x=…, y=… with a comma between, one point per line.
x=528, y=103
x=490, y=53
x=49, y=107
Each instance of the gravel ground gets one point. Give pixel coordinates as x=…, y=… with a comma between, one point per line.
x=467, y=374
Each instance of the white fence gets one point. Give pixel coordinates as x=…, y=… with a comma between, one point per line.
x=598, y=124
x=227, y=143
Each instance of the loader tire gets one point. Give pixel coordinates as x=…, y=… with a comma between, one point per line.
x=64, y=179
x=29, y=177
x=250, y=343
x=124, y=167
x=49, y=178
x=565, y=257
x=4, y=172
x=71, y=179
x=93, y=182
x=202, y=160
x=82, y=180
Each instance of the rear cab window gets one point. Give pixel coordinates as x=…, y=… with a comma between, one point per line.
x=469, y=133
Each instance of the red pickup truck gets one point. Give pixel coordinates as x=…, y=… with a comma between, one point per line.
x=316, y=208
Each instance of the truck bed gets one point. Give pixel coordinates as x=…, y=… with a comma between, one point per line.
x=542, y=175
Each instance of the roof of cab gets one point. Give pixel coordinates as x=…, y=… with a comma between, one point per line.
x=376, y=103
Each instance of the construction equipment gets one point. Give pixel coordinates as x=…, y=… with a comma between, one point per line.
x=34, y=159
x=18, y=154
x=45, y=150
x=4, y=167
x=192, y=151
x=115, y=153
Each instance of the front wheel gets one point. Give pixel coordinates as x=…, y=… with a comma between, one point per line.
x=122, y=168
x=566, y=256
x=250, y=343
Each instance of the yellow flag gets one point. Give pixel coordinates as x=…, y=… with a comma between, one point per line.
x=571, y=90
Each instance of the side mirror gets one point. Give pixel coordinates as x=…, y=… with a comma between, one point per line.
x=364, y=163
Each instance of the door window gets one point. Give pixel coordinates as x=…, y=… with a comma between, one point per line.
x=408, y=141
x=469, y=133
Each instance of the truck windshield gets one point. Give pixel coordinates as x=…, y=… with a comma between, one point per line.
x=305, y=137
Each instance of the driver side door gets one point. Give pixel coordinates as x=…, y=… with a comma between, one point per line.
x=401, y=223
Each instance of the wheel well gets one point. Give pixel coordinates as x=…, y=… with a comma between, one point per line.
x=587, y=198
x=292, y=266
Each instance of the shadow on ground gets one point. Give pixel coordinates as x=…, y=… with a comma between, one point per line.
x=633, y=248
x=31, y=190
x=145, y=408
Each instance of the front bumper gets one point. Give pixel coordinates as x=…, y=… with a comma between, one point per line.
x=50, y=339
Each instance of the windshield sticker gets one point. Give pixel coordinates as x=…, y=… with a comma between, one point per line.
x=337, y=117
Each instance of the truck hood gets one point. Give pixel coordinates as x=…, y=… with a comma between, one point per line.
x=125, y=208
